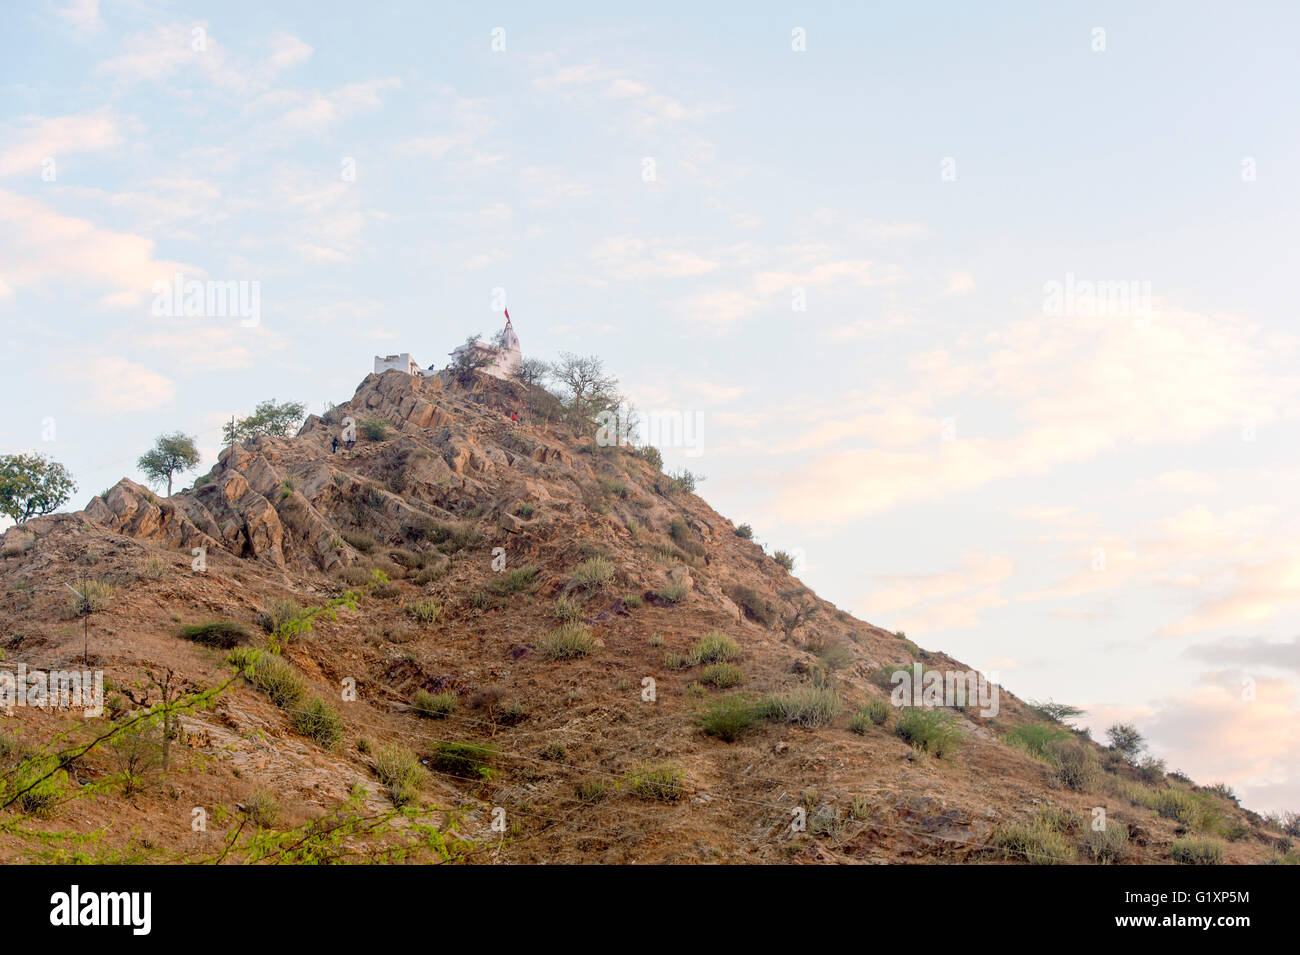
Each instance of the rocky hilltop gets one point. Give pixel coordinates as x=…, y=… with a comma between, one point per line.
x=473, y=637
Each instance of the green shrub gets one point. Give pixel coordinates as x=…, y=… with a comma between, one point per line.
x=220, y=634
x=1074, y=766
x=448, y=537
x=431, y=573
x=360, y=540
x=512, y=713
x=1108, y=844
x=570, y=641
x=525, y=511
x=373, y=429
x=425, y=611
x=278, y=612
x=153, y=568
x=41, y=798
x=594, y=790
x=319, y=721
x=262, y=808
x=728, y=718
x=515, y=580
x=94, y=598
x=722, y=675
x=1034, y=738
x=1033, y=842
x=593, y=573
x=1152, y=770
x=633, y=601
x=803, y=706
x=553, y=751
x=674, y=661
x=662, y=783
x=930, y=731
x=1177, y=804
x=685, y=538
x=434, y=706
x=566, y=610
x=784, y=559
x=398, y=770
x=463, y=759
x=715, y=647
x=278, y=679
x=679, y=482
x=745, y=531
x=873, y=713
x=1190, y=851
x=756, y=606
x=674, y=593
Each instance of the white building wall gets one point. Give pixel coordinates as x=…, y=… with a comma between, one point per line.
x=403, y=362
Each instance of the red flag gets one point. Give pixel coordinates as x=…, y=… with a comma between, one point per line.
x=507, y=311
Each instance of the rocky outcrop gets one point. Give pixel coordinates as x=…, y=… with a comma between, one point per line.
x=133, y=510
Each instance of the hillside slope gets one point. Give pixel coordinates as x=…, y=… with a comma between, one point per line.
x=444, y=550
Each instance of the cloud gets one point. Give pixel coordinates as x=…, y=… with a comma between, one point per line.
x=867, y=328
x=1215, y=735
x=466, y=124
x=1245, y=654
x=1257, y=594
x=1178, y=482
x=717, y=310
x=82, y=15
x=1072, y=390
x=54, y=137
x=645, y=109
x=316, y=111
x=40, y=247
x=857, y=271
x=945, y=601
x=169, y=49
x=287, y=51
x=627, y=258
x=960, y=282
x=550, y=185
x=204, y=345
x=118, y=386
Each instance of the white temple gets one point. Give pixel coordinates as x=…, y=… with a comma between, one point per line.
x=503, y=353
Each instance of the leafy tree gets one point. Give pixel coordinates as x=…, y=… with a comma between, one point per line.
x=32, y=485
x=1061, y=713
x=171, y=454
x=267, y=418
x=1126, y=740
x=469, y=360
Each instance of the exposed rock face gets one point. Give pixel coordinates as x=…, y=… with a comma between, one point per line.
x=131, y=509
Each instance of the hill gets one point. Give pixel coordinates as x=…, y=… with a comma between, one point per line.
x=499, y=641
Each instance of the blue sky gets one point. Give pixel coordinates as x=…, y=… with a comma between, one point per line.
x=1097, y=506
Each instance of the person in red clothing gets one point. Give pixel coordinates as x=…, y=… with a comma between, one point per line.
x=514, y=416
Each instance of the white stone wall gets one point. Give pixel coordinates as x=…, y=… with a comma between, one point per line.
x=403, y=362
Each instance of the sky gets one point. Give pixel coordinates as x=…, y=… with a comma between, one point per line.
x=984, y=312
